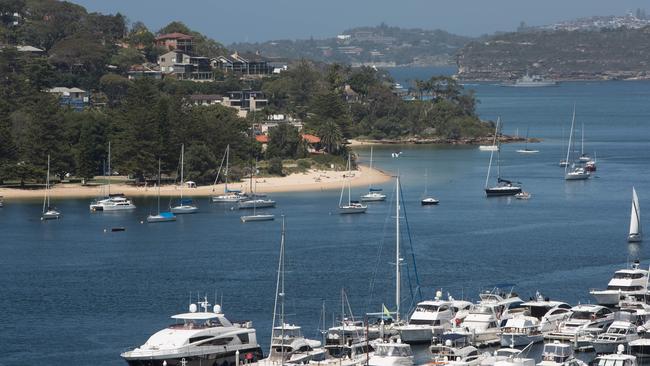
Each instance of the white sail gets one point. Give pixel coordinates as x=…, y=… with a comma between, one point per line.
x=635, y=218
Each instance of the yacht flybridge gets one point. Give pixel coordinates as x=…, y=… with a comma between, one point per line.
x=429, y=319
x=199, y=338
x=631, y=281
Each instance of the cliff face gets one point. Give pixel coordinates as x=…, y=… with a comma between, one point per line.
x=603, y=54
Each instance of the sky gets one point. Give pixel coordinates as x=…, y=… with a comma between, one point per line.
x=262, y=20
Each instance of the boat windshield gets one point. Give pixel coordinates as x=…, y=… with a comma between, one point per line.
x=427, y=308
x=611, y=362
x=388, y=350
x=628, y=276
x=483, y=310
x=582, y=315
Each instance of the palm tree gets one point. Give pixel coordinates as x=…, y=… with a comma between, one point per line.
x=331, y=137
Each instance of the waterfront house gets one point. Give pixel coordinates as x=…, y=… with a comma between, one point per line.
x=243, y=64
x=205, y=99
x=75, y=98
x=183, y=66
x=176, y=41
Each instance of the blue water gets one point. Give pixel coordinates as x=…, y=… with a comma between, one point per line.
x=74, y=294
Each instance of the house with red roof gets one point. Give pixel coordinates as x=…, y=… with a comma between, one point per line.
x=175, y=41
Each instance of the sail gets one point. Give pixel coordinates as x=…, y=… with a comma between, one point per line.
x=635, y=215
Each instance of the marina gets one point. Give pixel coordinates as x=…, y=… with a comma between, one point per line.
x=112, y=290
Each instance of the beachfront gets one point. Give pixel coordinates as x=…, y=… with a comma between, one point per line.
x=313, y=180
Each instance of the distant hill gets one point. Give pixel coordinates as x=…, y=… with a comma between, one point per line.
x=619, y=53
x=381, y=45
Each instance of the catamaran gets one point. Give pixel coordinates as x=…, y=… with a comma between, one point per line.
x=573, y=172
x=352, y=207
x=374, y=194
x=185, y=206
x=48, y=212
x=229, y=195
x=111, y=202
x=160, y=216
x=635, y=234
x=504, y=187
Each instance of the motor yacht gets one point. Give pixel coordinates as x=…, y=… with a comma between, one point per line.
x=619, y=333
x=559, y=354
x=454, y=349
x=115, y=202
x=630, y=281
x=288, y=346
x=521, y=331
x=353, y=353
x=549, y=313
x=373, y=195
x=616, y=359
x=429, y=319
x=640, y=348
x=585, y=323
x=200, y=338
x=391, y=353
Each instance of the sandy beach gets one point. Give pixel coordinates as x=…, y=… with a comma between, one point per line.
x=313, y=180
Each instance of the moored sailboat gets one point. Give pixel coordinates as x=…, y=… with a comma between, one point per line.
x=111, y=201
x=185, y=206
x=635, y=234
x=229, y=195
x=352, y=207
x=160, y=216
x=573, y=172
x=426, y=199
x=526, y=150
x=374, y=194
x=504, y=187
x=49, y=213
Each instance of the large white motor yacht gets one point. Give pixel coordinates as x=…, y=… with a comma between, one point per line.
x=616, y=359
x=353, y=353
x=549, y=313
x=429, y=319
x=115, y=202
x=454, y=349
x=201, y=338
x=586, y=322
x=521, y=331
x=288, y=346
x=631, y=281
x=621, y=332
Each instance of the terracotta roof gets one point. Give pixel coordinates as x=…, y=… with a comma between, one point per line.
x=173, y=36
x=262, y=139
x=312, y=139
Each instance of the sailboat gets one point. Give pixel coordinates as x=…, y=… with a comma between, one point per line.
x=288, y=346
x=573, y=172
x=111, y=202
x=48, y=212
x=352, y=207
x=229, y=195
x=374, y=194
x=526, y=150
x=635, y=235
x=427, y=201
x=256, y=201
x=563, y=161
x=394, y=352
x=583, y=158
x=185, y=206
x=161, y=216
x=504, y=187
x=255, y=216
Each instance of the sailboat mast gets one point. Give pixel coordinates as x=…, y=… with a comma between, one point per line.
x=349, y=183
x=279, y=292
x=182, y=168
x=582, y=137
x=282, y=288
x=426, y=180
x=494, y=143
x=158, y=186
x=46, y=202
x=109, y=169
x=370, y=184
x=568, y=150
x=397, y=256
x=225, y=188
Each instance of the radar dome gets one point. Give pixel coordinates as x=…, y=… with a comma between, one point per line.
x=193, y=308
x=217, y=309
x=620, y=348
x=438, y=294
x=448, y=343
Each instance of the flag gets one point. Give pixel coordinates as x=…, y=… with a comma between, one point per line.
x=385, y=310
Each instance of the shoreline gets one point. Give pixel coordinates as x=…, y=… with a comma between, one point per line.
x=312, y=180
x=487, y=140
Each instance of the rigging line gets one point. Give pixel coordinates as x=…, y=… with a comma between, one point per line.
x=408, y=231
x=382, y=241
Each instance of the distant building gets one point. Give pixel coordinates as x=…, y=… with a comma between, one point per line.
x=245, y=101
x=176, y=41
x=144, y=71
x=182, y=66
x=205, y=99
x=75, y=98
x=276, y=120
x=245, y=64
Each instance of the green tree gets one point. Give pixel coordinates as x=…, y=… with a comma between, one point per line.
x=115, y=87
x=127, y=57
x=331, y=137
x=285, y=142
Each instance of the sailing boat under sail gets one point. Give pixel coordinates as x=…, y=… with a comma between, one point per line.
x=374, y=194
x=352, y=207
x=185, y=206
x=161, y=216
x=48, y=212
x=635, y=234
x=504, y=187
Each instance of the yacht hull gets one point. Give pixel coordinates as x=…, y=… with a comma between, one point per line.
x=160, y=218
x=256, y=204
x=226, y=199
x=257, y=218
x=495, y=192
x=417, y=334
x=607, y=297
x=51, y=215
x=429, y=202
x=634, y=238
x=185, y=209
x=517, y=340
x=373, y=197
x=177, y=359
x=571, y=176
x=345, y=210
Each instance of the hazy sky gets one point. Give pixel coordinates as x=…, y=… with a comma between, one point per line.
x=260, y=20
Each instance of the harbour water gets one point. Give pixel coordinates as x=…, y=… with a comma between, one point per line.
x=74, y=294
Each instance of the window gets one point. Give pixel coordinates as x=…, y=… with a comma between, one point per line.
x=243, y=338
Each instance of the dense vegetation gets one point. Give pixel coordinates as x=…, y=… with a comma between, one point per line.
x=368, y=45
x=605, y=53
x=149, y=119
